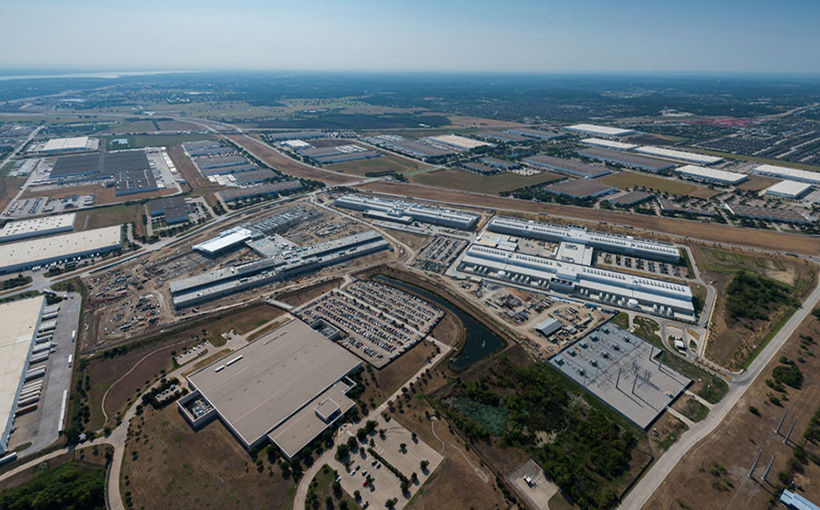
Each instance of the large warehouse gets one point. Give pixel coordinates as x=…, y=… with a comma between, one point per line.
x=792, y=190
x=622, y=158
x=590, y=283
x=609, y=144
x=569, y=166
x=700, y=173
x=286, y=387
x=73, y=144
x=653, y=250
x=417, y=212
x=689, y=157
x=596, y=130
x=35, y=252
x=20, y=321
x=788, y=173
x=104, y=165
x=37, y=227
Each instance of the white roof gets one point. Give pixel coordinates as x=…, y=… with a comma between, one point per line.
x=61, y=246
x=790, y=173
x=595, y=129
x=680, y=155
x=609, y=144
x=788, y=188
x=19, y=320
x=63, y=144
x=296, y=144
x=711, y=174
x=224, y=240
x=45, y=224
x=458, y=141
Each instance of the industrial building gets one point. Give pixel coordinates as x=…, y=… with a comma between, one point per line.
x=480, y=168
x=630, y=198
x=34, y=252
x=260, y=190
x=541, y=134
x=294, y=135
x=689, y=157
x=794, y=501
x=580, y=188
x=569, y=166
x=417, y=212
x=173, y=209
x=205, y=148
x=622, y=158
x=281, y=261
x=699, y=173
x=585, y=282
x=343, y=157
x=793, y=190
x=130, y=182
x=254, y=176
x=73, y=144
x=609, y=144
x=20, y=321
x=792, y=174
x=414, y=148
x=612, y=243
x=624, y=371
x=596, y=130
x=779, y=215
x=104, y=165
x=502, y=164
x=503, y=137
x=549, y=327
x=37, y=227
x=219, y=161
x=458, y=142
x=287, y=387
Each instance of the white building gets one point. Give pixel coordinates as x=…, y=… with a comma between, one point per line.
x=33, y=252
x=74, y=144
x=792, y=190
x=597, y=130
x=418, y=212
x=458, y=142
x=609, y=144
x=37, y=227
x=792, y=174
x=689, y=157
x=700, y=173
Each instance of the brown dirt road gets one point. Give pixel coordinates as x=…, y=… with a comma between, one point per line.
x=762, y=239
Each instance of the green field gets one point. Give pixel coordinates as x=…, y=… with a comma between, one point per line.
x=673, y=186
x=467, y=181
x=385, y=163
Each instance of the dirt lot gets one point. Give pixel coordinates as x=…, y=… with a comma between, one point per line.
x=628, y=179
x=301, y=296
x=734, y=445
x=763, y=239
x=756, y=183
x=281, y=162
x=9, y=187
x=731, y=344
x=459, y=179
x=168, y=465
x=199, y=184
x=384, y=163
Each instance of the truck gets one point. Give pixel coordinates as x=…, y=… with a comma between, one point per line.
x=70, y=359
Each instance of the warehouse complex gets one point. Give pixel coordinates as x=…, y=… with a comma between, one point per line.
x=699, y=173
x=37, y=227
x=609, y=144
x=568, y=166
x=33, y=252
x=788, y=173
x=405, y=212
x=173, y=209
x=793, y=190
x=596, y=130
x=20, y=321
x=689, y=157
x=580, y=188
x=458, y=142
x=619, y=157
x=286, y=387
x=65, y=145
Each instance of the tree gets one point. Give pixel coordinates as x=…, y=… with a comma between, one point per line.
x=403, y=447
x=424, y=465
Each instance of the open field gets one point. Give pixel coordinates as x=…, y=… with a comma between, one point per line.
x=384, y=163
x=9, y=187
x=168, y=465
x=461, y=121
x=715, y=471
x=459, y=179
x=627, y=179
x=763, y=239
x=284, y=164
x=757, y=183
x=137, y=126
x=198, y=183
x=91, y=457
x=114, y=215
x=731, y=342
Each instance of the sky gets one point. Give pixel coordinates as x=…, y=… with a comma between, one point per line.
x=417, y=35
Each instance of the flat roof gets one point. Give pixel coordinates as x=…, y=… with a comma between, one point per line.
x=66, y=144
x=595, y=129
x=790, y=173
x=102, y=163
x=711, y=174
x=632, y=197
x=458, y=141
x=783, y=188
x=266, y=382
x=20, y=320
x=694, y=157
x=568, y=165
x=32, y=226
x=580, y=188
x=609, y=144
x=626, y=158
x=60, y=246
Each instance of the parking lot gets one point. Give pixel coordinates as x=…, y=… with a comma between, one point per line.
x=440, y=253
x=637, y=264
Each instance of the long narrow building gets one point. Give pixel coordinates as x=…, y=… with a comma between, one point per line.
x=389, y=209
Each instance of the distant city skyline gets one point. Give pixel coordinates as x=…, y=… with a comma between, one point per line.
x=480, y=36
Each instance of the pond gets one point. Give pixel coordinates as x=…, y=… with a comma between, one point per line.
x=480, y=341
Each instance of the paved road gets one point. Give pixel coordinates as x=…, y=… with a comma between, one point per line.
x=643, y=490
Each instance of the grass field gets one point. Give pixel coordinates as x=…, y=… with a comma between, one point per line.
x=114, y=215
x=673, y=186
x=468, y=181
x=385, y=163
x=137, y=126
x=9, y=186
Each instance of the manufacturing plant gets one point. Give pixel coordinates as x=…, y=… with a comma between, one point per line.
x=568, y=166
x=571, y=272
x=600, y=131
x=65, y=145
x=624, y=371
x=711, y=175
x=37, y=227
x=18, y=336
x=407, y=212
x=43, y=251
x=286, y=387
